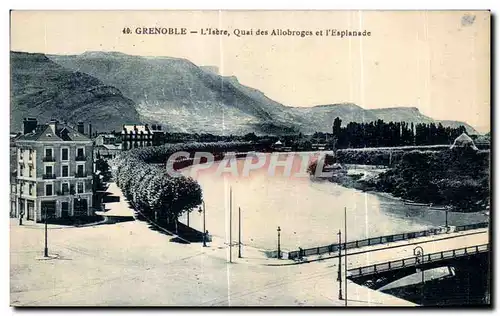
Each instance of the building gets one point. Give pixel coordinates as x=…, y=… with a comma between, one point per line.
x=136, y=136
x=54, y=171
x=106, y=146
x=463, y=141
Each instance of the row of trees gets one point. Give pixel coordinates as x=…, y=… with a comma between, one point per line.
x=145, y=182
x=380, y=133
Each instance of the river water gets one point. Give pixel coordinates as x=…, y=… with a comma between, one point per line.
x=309, y=213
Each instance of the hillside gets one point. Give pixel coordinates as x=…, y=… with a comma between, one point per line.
x=40, y=88
x=180, y=94
x=110, y=89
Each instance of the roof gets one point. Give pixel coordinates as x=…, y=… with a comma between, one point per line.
x=63, y=132
x=134, y=128
x=463, y=140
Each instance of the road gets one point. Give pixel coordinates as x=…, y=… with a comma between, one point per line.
x=126, y=263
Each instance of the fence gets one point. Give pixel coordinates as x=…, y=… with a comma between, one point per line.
x=377, y=241
x=417, y=261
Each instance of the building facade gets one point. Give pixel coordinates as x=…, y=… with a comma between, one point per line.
x=54, y=172
x=106, y=146
x=136, y=136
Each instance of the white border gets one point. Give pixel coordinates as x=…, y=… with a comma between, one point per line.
x=200, y=4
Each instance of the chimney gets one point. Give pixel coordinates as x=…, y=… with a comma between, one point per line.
x=29, y=125
x=80, y=128
x=90, y=130
x=53, y=125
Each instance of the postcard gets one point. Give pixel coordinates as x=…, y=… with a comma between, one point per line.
x=250, y=158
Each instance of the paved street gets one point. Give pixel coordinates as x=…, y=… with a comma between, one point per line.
x=124, y=262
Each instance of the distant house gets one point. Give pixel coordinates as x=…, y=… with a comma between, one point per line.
x=463, y=141
x=136, y=136
x=106, y=146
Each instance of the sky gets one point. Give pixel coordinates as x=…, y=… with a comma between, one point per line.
x=438, y=61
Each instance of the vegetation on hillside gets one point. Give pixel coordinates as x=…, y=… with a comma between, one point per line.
x=457, y=177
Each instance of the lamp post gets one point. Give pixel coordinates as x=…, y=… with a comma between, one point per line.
x=204, y=230
x=239, y=232
x=418, y=252
x=279, y=245
x=45, y=249
x=339, y=277
x=21, y=214
x=446, y=217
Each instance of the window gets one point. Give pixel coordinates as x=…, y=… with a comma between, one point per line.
x=80, y=169
x=65, y=154
x=31, y=188
x=21, y=188
x=65, y=171
x=48, y=170
x=31, y=154
x=21, y=154
x=79, y=187
x=65, y=187
x=80, y=152
x=30, y=170
x=21, y=170
x=48, y=189
x=48, y=152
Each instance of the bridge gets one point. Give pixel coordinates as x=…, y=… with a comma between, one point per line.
x=377, y=275
x=381, y=240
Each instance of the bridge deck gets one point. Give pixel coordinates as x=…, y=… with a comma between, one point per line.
x=400, y=251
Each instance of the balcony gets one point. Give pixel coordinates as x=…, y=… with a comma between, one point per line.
x=49, y=159
x=81, y=158
x=80, y=174
x=66, y=192
x=48, y=176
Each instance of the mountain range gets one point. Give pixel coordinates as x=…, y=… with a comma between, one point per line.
x=109, y=89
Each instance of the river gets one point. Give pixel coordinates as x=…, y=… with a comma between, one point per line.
x=309, y=213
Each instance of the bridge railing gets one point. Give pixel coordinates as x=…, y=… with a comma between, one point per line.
x=416, y=261
x=377, y=241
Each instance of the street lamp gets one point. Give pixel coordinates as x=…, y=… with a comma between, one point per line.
x=45, y=249
x=339, y=277
x=21, y=214
x=418, y=252
x=204, y=231
x=78, y=200
x=279, y=246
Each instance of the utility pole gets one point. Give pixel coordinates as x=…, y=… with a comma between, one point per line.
x=230, y=224
x=239, y=232
x=339, y=278
x=345, y=253
x=46, y=249
x=279, y=242
x=204, y=228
